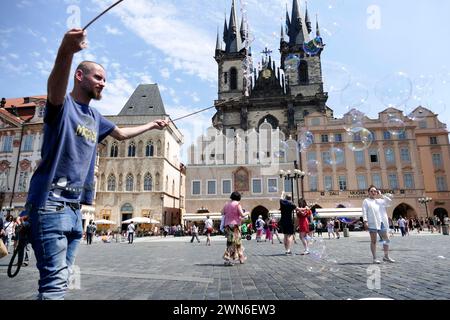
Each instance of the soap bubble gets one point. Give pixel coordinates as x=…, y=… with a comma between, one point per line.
x=395, y=125
x=354, y=95
x=337, y=156
x=336, y=77
x=394, y=89
x=354, y=118
x=314, y=46
x=291, y=63
x=305, y=140
x=360, y=138
x=312, y=167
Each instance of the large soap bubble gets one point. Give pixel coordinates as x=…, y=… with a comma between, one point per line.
x=394, y=90
x=359, y=138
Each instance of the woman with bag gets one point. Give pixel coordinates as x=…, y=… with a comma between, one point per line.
x=303, y=214
x=232, y=214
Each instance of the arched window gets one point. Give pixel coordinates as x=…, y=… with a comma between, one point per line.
x=233, y=79
x=149, y=149
x=114, y=150
x=173, y=187
x=112, y=183
x=158, y=148
x=148, y=182
x=168, y=149
x=303, y=72
x=157, y=178
x=167, y=184
x=130, y=183
x=132, y=149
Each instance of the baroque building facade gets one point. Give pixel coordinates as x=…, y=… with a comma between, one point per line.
x=143, y=176
x=282, y=122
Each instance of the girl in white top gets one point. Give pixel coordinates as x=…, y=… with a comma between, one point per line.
x=376, y=220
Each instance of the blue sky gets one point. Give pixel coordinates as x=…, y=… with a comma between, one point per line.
x=172, y=42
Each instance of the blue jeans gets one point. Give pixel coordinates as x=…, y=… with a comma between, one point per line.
x=56, y=232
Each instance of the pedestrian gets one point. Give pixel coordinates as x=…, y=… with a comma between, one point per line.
x=286, y=223
x=64, y=179
x=194, y=232
x=319, y=227
x=8, y=226
x=130, y=230
x=259, y=228
x=330, y=228
x=232, y=218
x=268, y=230
x=401, y=224
x=376, y=220
x=90, y=231
x=209, y=229
x=337, y=227
x=274, y=229
x=303, y=216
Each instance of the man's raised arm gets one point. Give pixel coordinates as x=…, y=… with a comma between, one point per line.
x=59, y=77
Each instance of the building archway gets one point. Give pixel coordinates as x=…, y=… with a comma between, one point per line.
x=404, y=210
x=126, y=211
x=259, y=211
x=441, y=213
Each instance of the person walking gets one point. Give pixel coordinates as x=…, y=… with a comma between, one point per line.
x=303, y=216
x=286, y=223
x=401, y=224
x=259, y=228
x=194, y=232
x=232, y=217
x=130, y=231
x=209, y=229
x=64, y=179
x=376, y=220
x=274, y=229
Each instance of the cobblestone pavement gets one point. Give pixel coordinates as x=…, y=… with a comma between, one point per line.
x=174, y=268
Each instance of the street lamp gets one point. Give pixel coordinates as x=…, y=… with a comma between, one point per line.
x=424, y=201
x=291, y=176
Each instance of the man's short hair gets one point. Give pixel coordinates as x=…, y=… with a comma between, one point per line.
x=86, y=66
x=288, y=197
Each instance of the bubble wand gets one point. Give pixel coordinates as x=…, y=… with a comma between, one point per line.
x=109, y=8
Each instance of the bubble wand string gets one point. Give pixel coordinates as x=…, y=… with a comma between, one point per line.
x=205, y=109
x=109, y=8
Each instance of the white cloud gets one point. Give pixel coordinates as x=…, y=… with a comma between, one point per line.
x=179, y=80
x=165, y=73
x=115, y=95
x=24, y=4
x=112, y=30
x=14, y=56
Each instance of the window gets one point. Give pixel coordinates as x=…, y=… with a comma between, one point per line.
x=23, y=182
x=272, y=185
x=287, y=186
x=362, y=183
x=112, y=183
x=402, y=135
x=324, y=138
x=386, y=135
x=256, y=186
x=312, y=183
x=132, y=149
x=437, y=160
x=7, y=144
x=27, y=145
x=326, y=158
x=337, y=137
x=311, y=156
x=225, y=77
x=408, y=180
x=389, y=155
x=393, y=181
x=376, y=180
x=342, y=183
x=233, y=79
x=433, y=140
x=196, y=188
x=441, y=184
x=149, y=149
x=148, y=182
x=114, y=150
x=303, y=72
x=226, y=186
x=315, y=121
x=404, y=155
x=129, y=183
x=328, y=182
x=359, y=157
x=422, y=124
x=211, y=184
x=373, y=154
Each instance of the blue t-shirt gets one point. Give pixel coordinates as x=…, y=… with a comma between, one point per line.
x=69, y=149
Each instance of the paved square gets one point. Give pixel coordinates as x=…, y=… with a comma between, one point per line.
x=174, y=268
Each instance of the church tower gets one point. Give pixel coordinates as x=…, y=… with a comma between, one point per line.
x=281, y=96
x=230, y=60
